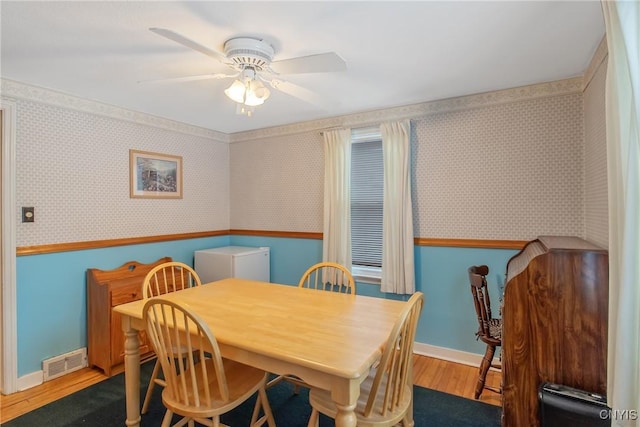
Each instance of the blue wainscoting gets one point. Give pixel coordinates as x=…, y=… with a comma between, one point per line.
x=51, y=293
x=448, y=317
x=51, y=289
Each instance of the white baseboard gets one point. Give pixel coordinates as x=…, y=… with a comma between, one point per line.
x=30, y=380
x=457, y=356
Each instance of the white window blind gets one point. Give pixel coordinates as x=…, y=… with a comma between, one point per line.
x=366, y=198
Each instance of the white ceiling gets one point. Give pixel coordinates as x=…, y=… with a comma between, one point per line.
x=397, y=53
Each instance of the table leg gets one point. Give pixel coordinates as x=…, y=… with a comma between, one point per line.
x=132, y=374
x=345, y=416
x=345, y=396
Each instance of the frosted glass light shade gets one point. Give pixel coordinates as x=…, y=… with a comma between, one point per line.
x=249, y=94
x=256, y=93
x=236, y=91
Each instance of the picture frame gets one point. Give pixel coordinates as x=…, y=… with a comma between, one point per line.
x=155, y=175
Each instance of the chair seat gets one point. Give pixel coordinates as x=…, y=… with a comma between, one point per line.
x=321, y=399
x=242, y=381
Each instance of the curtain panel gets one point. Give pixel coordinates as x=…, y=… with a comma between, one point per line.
x=398, y=273
x=336, y=243
x=622, y=22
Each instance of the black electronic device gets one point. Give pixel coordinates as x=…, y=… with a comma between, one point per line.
x=562, y=406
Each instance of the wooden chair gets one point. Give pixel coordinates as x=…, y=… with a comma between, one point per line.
x=489, y=328
x=200, y=384
x=164, y=278
x=328, y=276
x=386, y=395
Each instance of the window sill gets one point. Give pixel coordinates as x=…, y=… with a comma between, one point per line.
x=363, y=274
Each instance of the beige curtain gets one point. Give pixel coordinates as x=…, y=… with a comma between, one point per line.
x=336, y=244
x=398, y=273
x=622, y=21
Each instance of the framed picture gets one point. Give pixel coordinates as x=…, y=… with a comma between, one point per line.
x=155, y=175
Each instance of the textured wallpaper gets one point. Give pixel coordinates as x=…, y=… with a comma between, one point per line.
x=510, y=164
x=596, y=191
x=507, y=171
x=73, y=167
x=277, y=183
x=511, y=171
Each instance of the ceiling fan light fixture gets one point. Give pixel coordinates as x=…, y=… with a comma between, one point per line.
x=248, y=93
x=236, y=91
x=252, y=60
x=256, y=93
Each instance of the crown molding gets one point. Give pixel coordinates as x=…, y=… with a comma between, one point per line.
x=523, y=93
x=17, y=90
x=600, y=55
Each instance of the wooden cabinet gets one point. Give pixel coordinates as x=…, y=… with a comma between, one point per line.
x=554, y=320
x=106, y=289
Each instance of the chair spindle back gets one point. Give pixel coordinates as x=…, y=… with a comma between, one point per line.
x=169, y=277
x=328, y=276
x=481, y=300
x=392, y=376
x=179, y=337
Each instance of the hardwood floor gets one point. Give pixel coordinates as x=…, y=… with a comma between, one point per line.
x=454, y=378
x=437, y=374
x=16, y=404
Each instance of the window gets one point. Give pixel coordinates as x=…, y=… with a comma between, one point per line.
x=366, y=202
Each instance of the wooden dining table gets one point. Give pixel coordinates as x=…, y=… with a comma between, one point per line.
x=330, y=340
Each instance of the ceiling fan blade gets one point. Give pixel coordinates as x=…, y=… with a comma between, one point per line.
x=189, y=43
x=320, y=63
x=190, y=78
x=301, y=93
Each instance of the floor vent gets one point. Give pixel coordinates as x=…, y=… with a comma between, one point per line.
x=65, y=363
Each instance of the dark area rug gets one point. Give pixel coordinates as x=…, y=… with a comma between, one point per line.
x=103, y=405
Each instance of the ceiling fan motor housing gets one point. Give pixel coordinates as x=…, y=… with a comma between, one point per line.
x=246, y=52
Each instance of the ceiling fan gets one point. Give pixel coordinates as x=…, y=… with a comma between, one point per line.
x=251, y=60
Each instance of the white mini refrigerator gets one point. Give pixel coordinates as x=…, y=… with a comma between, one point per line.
x=232, y=261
